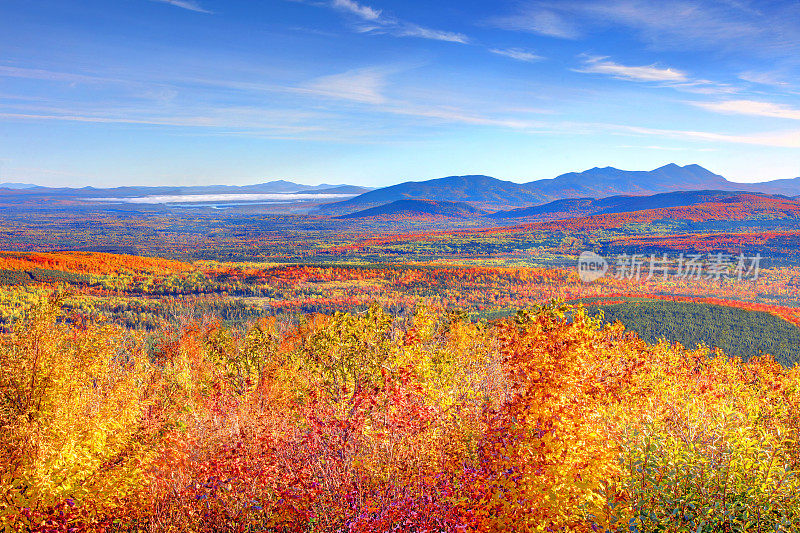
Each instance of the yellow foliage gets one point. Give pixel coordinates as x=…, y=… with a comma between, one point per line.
x=70, y=412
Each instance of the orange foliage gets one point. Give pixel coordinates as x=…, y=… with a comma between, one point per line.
x=91, y=263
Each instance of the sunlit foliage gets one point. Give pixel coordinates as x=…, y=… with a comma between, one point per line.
x=421, y=421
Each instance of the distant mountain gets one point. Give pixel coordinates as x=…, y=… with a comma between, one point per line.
x=417, y=209
x=13, y=185
x=483, y=191
x=272, y=187
x=489, y=193
x=282, y=186
x=788, y=187
x=582, y=207
x=608, y=181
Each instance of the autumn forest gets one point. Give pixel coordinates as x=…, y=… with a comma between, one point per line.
x=274, y=373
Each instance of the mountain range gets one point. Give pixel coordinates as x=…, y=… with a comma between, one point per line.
x=593, y=191
x=16, y=185
x=272, y=187
x=488, y=193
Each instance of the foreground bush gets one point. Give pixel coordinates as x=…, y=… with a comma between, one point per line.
x=373, y=422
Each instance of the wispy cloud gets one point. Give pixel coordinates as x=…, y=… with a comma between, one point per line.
x=751, y=107
x=365, y=87
x=459, y=116
x=413, y=30
x=705, y=87
x=536, y=19
x=359, y=85
x=373, y=20
x=227, y=117
x=662, y=76
x=779, y=139
x=673, y=23
x=764, y=78
x=668, y=24
x=667, y=148
x=517, y=53
x=186, y=4
x=602, y=65
x=362, y=11
x=50, y=75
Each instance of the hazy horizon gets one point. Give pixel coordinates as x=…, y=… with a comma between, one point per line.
x=241, y=183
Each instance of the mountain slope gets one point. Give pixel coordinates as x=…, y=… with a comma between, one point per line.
x=581, y=207
x=416, y=209
x=733, y=209
x=482, y=191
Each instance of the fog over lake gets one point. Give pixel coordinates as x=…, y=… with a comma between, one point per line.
x=200, y=198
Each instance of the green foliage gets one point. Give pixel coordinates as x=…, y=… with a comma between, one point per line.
x=737, y=332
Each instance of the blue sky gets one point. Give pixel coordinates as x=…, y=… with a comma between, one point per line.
x=155, y=92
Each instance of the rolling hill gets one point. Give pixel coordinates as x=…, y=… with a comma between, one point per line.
x=416, y=209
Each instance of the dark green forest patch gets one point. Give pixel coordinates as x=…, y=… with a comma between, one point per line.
x=737, y=332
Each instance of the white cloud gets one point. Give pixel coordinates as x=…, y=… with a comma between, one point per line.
x=360, y=85
x=373, y=20
x=751, y=107
x=454, y=115
x=667, y=148
x=412, y=30
x=363, y=11
x=674, y=23
x=240, y=118
x=49, y=75
x=517, y=53
x=601, y=65
x=764, y=78
x=186, y=4
x=779, y=139
x=705, y=87
x=541, y=21
x=668, y=24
